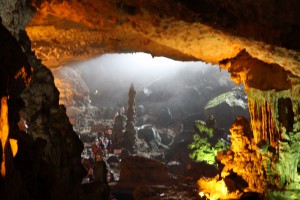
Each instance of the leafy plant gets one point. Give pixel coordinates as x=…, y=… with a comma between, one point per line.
x=203, y=150
x=203, y=129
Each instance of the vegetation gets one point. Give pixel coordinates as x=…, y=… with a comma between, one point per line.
x=203, y=149
x=203, y=129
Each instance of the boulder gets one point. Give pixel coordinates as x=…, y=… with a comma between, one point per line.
x=151, y=136
x=135, y=169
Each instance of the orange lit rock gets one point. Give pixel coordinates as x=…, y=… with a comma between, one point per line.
x=214, y=189
x=245, y=69
x=265, y=151
x=4, y=134
x=75, y=30
x=73, y=90
x=242, y=158
x=74, y=94
x=4, y=130
x=14, y=146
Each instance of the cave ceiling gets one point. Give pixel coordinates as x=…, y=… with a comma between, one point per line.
x=210, y=31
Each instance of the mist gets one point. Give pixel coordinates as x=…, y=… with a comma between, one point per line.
x=124, y=69
x=184, y=87
x=115, y=72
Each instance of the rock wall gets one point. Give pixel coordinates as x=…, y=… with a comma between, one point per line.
x=265, y=154
x=275, y=124
x=74, y=95
x=15, y=75
x=16, y=14
x=63, y=31
x=243, y=158
x=60, y=169
x=48, y=162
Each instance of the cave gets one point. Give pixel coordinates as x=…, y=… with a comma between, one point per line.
x=256, y=42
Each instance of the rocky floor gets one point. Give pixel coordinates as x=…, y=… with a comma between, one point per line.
x=140, y=178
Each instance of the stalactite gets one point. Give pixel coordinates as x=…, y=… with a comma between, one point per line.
x=269, y=163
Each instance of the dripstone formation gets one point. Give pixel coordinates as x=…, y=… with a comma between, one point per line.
x=257, y=42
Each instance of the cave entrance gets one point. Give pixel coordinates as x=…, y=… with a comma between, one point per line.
x=170, y=96
x=98, y=88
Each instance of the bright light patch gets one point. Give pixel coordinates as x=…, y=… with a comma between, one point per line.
x=141, y=69
x=201, y=194
x=147, y=62
x=214, y=189
x=4, y=129
x=14, y=146
x=151, y=64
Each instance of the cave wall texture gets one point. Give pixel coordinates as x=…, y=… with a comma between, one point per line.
x=256, y=41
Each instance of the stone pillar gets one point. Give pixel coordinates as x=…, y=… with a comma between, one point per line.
x=130, y=133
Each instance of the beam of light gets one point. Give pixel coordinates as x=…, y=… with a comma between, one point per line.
x=4, y=129
x=140, y=68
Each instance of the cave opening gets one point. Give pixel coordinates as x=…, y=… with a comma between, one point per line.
x=172, y=102
x=195, y=90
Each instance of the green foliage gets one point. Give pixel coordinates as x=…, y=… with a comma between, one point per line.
x=202, y=149
x=221, y=146
x=201, y=127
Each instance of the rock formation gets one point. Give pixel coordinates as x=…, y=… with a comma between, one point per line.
x=256, y=41
x=265, y=155
x=130, y=133
x=118, y=130
x=74, y=94
x=48, y=122
x=138, y=171
x=62, y=31
x=15, y=74
x=99, y=188
x=48, y=163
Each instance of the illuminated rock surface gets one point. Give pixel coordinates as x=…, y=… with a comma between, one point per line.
x=266, y=155
x=68, y=30
x=74, y=94
x=258, y=42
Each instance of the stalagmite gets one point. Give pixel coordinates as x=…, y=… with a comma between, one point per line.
x=130, y=133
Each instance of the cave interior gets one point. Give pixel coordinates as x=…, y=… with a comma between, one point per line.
x=236, y=136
